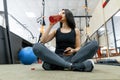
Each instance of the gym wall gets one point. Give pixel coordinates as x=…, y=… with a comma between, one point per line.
x=16, y=44
x=98, y=18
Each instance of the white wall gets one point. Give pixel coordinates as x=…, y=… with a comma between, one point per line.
x=98, y=18
x=15, y=27
x=1, y=5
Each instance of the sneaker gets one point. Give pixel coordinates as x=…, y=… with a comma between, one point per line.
x=89, y=65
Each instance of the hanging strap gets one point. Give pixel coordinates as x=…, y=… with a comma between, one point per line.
x=87, y=39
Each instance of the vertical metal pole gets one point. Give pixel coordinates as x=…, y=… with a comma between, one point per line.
x=43, y=20
x=87, y=24
x=113, y=26
x=43, y=3
x=7, y=29
x=86, y=11
x=107, y=41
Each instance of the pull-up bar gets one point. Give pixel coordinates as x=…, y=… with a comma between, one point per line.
x=89, y=16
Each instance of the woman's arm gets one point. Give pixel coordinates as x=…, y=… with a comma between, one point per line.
x=77, y=43
x=47, y=36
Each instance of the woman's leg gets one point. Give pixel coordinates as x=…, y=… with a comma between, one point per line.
x=48, y=56
x=86, y=66
x=48, y=66
x=80, y=59
x=86, y=52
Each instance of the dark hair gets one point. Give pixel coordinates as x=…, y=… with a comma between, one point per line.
x=69, y=18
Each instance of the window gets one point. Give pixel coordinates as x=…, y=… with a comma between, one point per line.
x=116, y=20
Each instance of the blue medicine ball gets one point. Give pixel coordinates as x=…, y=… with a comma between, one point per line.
x=27, y=56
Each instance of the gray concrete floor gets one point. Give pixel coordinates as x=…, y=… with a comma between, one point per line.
x=24, y=72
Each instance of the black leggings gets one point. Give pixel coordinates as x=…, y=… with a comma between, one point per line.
x=54, y=61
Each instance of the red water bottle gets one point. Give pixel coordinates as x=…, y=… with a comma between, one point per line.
x=55, y=18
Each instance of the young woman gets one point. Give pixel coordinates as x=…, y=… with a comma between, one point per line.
x=68, y=53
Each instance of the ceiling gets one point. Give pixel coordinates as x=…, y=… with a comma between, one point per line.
x=20, y=8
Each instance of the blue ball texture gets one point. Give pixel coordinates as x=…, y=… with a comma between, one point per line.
x=27, y=56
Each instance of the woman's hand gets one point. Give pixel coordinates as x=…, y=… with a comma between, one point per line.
x=52, y=24
x=69, y=51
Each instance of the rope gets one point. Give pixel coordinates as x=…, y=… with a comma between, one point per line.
x=43, y=20
x=87, y=22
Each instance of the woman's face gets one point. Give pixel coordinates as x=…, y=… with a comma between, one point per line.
x=62, y=13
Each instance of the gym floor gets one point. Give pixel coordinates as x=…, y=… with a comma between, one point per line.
x=24, y=72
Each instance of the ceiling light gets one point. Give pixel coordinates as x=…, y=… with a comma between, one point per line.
x=102, y=29
x=30, y=14
x=118, y=14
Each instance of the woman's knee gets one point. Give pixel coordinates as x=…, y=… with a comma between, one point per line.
x=37, y=48
x=95, y=44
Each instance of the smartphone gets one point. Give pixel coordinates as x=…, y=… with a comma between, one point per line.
x=66, y=51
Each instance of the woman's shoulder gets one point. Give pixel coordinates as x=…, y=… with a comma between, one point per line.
x=77, y=30
x=55, y=31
